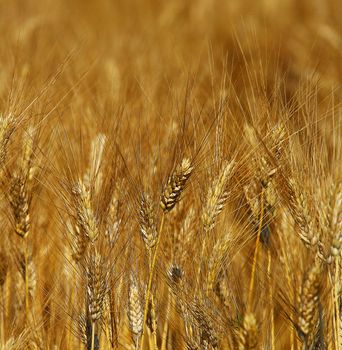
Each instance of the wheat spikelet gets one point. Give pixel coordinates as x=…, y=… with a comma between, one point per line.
x=135, y=310
x=97, y=284
x=27, y=154
x=96, y=154
x=86, y=219
x=277, y=138
x=208, y=332
x=217, y=196
x=79, y=241
x=113, y=220
x=82, y=328
x=248, y=333
x=20, y=205
x=183, y=236
x=175, y=185
x=147, y=222
x=300, y=209
x=219, y=250
x=308, y=303
x=7, y=125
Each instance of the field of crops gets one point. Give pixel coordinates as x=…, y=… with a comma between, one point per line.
x=171, y=174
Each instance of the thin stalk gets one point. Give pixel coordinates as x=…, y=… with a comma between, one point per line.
x=166, y=324
x=27, y=306
x=2, y=320
x=154, y=324
x=269, y=258
x=336, y=305
x=153, y=314
x=71, y=303
x=137, y=343
x=92, y=336
x=113, y=320
x=199, y=270
x=255, y=257
x=290, y=287
x=150, y=277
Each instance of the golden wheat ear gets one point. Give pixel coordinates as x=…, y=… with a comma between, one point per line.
x=217, y=196
x=7, y=126
x=86, y=219
x=147, y=221
x=247, y=337
x=308, y=312
x=135, y=311
x=175, y=185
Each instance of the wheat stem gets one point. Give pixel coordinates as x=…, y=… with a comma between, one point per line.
x=150, y=277
x=92, y=335
x=154, y=324
x=27, y=306
x=255, y=257
x=2, y=320
x=336, y=306
x=166, y=324
x=269, y=264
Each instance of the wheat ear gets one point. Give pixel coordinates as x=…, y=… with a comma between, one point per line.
x=217, y=196
x=7, y=125
x=135, y=311
x=248, y=333
x=86, y=219
x=175, y=185
x=308, y=303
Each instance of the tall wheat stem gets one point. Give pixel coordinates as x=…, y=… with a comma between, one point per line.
x=27, y=306
x=71, y=303
x=113, y=325
x=338, y=338
x=2, y=320
x=150, y=277
x=199, y=269
x=154, y=324
x=269, y=257
x=166, y=325
x=255, y=257
x=92, y=336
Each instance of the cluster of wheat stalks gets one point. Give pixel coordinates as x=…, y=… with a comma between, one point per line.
x=171, y=174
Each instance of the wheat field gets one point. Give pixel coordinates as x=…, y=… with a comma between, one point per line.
x=171, y=174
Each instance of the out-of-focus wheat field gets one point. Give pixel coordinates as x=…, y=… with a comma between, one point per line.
x=171, y=174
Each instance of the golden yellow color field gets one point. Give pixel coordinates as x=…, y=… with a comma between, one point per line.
x=171, y=174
